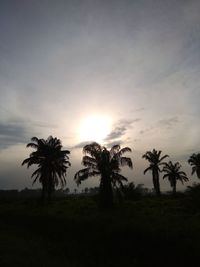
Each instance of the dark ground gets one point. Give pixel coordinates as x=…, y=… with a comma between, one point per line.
x=72, y=232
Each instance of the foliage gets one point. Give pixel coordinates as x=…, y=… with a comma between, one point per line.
x=173, y=173
x=193, y=193
x=52, y=163
x=99, y=161
x=132, y=192
x=194, y=161
x=155, y=162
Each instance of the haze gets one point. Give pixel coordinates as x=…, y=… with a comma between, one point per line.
x=134, y=62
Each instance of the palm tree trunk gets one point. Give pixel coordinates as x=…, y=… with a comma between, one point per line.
x=156, y=182
x=44, y=191
x=198, y=172
x=158, y=186
x=49, y=194
x=50, y=189
x=43, y=195
x=174, y=188
x=106, y=194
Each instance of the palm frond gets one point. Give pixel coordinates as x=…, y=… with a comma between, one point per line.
x=92, y=148
x=89, y=162
x=157, y=153
x=166, y=175
x=67, y=152
x=32, y=145
x=84, y=174
x=194, y=169
x=147, y=157
x=124, y=150
x=51, y=160
x=118, y=179
x=35, y=139
x=164, y=157
x=126, y=162
x=147, y=169
x=115, y=149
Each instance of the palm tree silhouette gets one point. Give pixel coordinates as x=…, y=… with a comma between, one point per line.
x=155, y=161
x=99, y=161
x=174, y=174
x=194, y=161
x=52, y=163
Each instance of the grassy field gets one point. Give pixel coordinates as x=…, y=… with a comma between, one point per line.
x=73, y=232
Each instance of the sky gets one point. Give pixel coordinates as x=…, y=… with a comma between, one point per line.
x=129, y=69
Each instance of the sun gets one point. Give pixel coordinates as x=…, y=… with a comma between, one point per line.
x=95, y=128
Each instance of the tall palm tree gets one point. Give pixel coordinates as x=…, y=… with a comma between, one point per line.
x=155, y=161
x=52, y=163
x=194, y=161
x=99, y=161
x=174, y=174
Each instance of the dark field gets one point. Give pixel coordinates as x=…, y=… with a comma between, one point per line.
x=152, y=231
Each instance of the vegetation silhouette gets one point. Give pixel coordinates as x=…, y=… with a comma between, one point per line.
x=194, y=161
x=192, y=200
x=52, y=162
x=99, y=161
x=155, y=161
x=174, y=174
x=73, y=232
x=134, y=192
x=107, y=240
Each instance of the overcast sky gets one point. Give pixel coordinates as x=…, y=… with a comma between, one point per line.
x=136, y=62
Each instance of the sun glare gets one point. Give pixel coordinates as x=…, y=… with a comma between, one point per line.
x=95, y=128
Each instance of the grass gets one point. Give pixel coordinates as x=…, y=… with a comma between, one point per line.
x=73, y=232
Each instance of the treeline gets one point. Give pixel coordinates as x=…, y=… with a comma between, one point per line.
x=31, y=193
x=53, y=162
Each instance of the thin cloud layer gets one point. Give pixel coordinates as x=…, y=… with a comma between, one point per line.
x=16, y=131
x=164, y=124
x=11, y=134
x=120, y=129
x=64, y=60
x=82, y=144
x=168, y=123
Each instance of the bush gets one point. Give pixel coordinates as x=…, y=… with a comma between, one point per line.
x=193, y=193
x=132, y=192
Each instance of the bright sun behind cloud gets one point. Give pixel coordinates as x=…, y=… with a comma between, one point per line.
x=95, y=128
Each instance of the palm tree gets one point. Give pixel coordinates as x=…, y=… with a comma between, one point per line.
x=194, y=161
x=99, y=161
x=52, y=163
x=174, y=174
x=155, y=161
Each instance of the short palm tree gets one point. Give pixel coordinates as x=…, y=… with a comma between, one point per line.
x=155, y=161
x=174, y=174
x=52, y=163
x=194, y=161
x=99, y=161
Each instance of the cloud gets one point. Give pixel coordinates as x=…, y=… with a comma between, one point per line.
x=17, y=131
x=120, y=129
x=116, y=142
x=11, y=134
x=146, y=130
x=115, y=136
x=82, y=144
x=118, y=132
x=120, y=142
x=168, y=123
x=138, y=110
x=44, y=124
